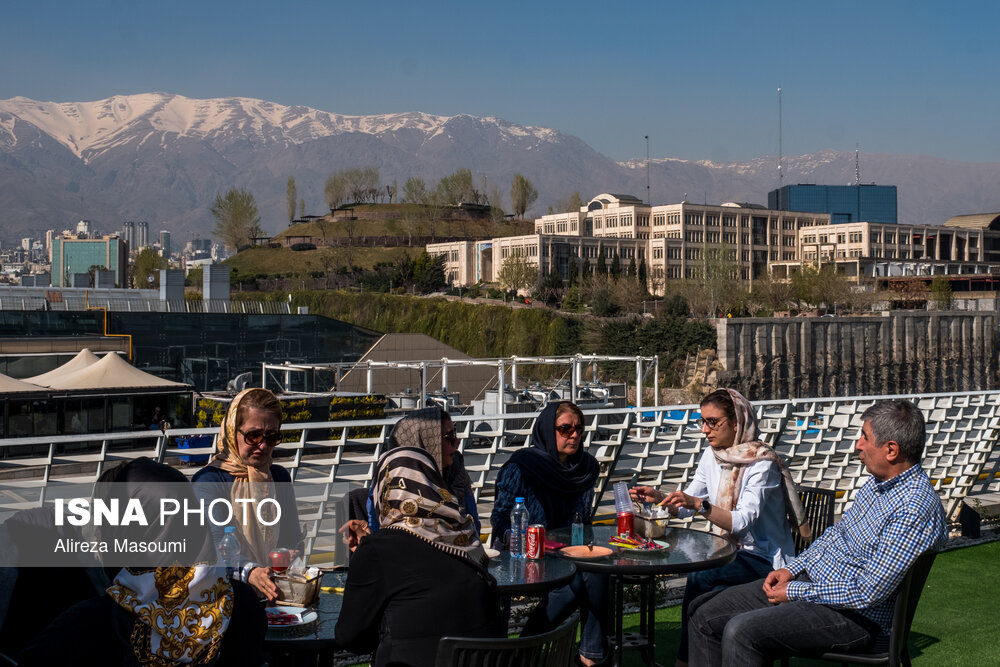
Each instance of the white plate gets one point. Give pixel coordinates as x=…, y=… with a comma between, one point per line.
x=491, y=553
x=302, y=616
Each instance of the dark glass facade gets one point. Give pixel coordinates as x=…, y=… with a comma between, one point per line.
x=203, y=349
x=844, y=203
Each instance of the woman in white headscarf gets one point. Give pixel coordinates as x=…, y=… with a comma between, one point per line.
x=745, y=490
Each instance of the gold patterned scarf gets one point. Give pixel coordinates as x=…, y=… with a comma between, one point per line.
x=252, y=482
x=181, y=613
x=411, y=495
x=748, y=448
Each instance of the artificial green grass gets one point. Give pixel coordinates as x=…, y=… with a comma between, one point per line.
x=955, y=623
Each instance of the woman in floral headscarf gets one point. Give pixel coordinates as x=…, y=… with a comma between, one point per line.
x=241, y=470
x=745, y=490
x=169, y=610
x=423, y=574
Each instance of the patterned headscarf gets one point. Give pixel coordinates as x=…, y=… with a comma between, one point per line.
x=181, y=613
x=422, y=429
x=411, y=495
x=748, y=448
x=256, y=539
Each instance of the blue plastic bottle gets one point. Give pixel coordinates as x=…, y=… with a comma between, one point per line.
x=518, y=528
x=229, y=550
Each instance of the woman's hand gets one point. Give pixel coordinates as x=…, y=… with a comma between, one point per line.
x=260, y=579
x=647, y=494
x=679, y=499
x=352, y=532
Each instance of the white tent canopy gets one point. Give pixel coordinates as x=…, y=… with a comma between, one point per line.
x=9, y=385
x=111, y=372
x=83, y=359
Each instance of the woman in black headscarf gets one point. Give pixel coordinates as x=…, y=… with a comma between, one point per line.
x=556, y=478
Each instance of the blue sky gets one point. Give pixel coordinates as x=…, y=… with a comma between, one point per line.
x=700, y=78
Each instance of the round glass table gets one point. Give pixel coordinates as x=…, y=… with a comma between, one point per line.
x=684, y=551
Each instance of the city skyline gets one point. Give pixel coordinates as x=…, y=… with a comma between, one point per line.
x=700, y=81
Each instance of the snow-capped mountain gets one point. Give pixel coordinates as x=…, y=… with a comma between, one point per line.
x=163, y=158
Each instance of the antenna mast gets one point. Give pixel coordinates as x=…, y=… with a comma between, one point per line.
x=857, y=166
x=780, y=175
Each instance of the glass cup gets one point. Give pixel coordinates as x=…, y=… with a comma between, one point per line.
x=279, y=560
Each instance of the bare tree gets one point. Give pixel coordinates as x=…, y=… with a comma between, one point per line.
x=518, y=273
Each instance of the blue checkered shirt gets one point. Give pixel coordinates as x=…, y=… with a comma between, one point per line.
x=859, y=562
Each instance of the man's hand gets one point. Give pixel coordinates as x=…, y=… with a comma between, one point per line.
x=776, y=586
x=646, y=494
x=352, y=532
x=260, y=579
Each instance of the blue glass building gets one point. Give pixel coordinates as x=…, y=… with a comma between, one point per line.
x=844, y=203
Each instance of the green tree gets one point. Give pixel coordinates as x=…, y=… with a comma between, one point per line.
x=573, y=271
x=522, y=195
x=643, y=277
x=941, y=294
x=290, y=198
x=415, y=191
x=518, y=273
x=335, y=190
x=457, y=188
x=302, y=208
x=428, y=272
x=616, y=266
x=602, y=264
x=236, y=218
x=147, y=264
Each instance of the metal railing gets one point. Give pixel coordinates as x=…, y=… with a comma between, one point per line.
x=659, y=446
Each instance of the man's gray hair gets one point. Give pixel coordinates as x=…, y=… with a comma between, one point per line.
x=899, y=420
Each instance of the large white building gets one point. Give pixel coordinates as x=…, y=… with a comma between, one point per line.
x=674, y=240
x=677, y=240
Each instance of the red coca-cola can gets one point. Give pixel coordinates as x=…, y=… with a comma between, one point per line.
x=532, y=572
x=626, y=524
x=535, y=547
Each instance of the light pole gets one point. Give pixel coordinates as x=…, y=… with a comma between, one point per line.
x=648, y=200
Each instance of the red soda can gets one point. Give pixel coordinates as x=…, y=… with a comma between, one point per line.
x=533, y=572
x=626, y=524
x=535, y=548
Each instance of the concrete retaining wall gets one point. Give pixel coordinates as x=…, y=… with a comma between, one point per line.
x=899, y=352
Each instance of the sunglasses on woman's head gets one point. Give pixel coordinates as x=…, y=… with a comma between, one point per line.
x=566, y=429
x=255, y=436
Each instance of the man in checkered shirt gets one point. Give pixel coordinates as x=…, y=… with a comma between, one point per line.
x=839, y=593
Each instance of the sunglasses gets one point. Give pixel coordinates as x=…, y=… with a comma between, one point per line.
x=566, y=429
x=255, y=436
x=450, y=435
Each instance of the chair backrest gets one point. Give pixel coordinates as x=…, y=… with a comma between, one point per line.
x=818, y=504
x=906, y=605
x=551, y=649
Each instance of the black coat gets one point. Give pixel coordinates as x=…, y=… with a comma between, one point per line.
x=402, y=595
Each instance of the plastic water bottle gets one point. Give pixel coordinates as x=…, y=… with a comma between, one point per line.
x=229, y=550
x=577, y=538
x=518, y=528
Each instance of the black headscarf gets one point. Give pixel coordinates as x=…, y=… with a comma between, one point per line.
x=556, y=486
